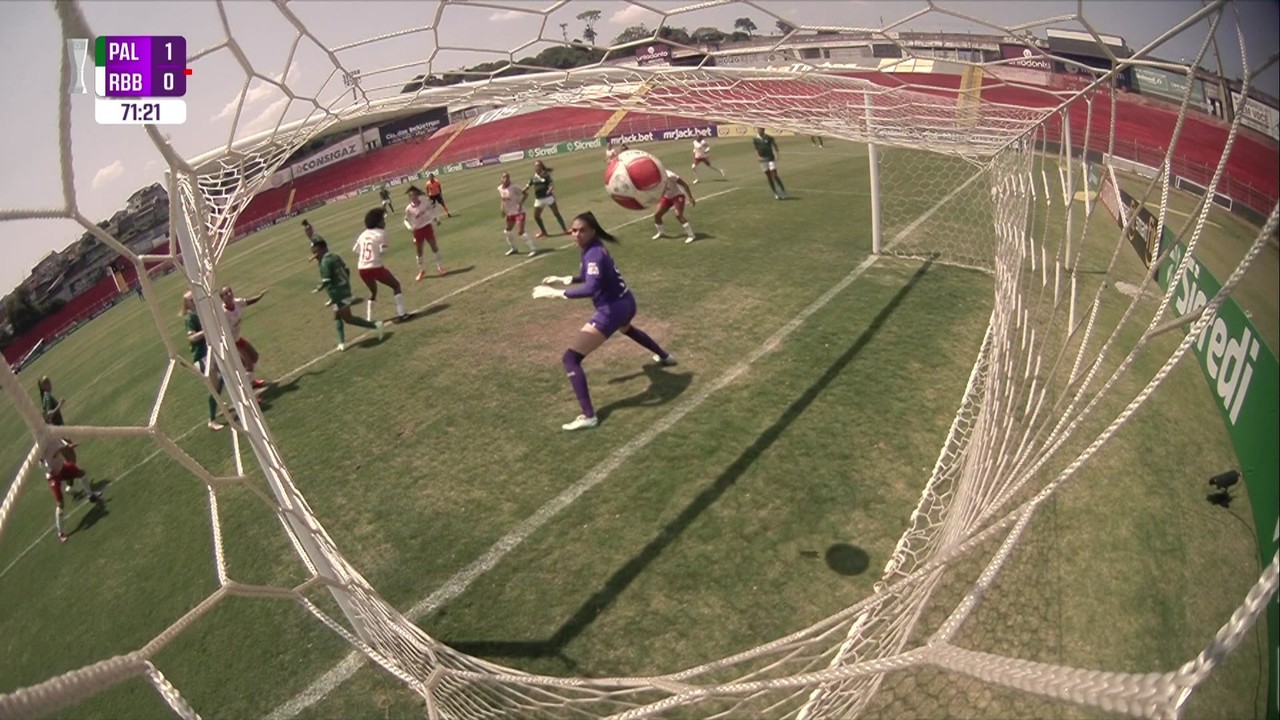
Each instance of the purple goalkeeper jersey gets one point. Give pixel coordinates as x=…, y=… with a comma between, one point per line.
x=600, y=278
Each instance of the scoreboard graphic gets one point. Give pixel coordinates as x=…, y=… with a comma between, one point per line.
x=137, y=79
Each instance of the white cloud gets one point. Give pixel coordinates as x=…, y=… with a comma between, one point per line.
x=108, y=174
x=265, y=119
x=633, y=15
x=258, y=91
x=508, y=16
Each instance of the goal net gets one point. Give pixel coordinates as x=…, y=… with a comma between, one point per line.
x=992, y=176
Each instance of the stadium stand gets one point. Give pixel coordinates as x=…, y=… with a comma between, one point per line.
x=1144, y=128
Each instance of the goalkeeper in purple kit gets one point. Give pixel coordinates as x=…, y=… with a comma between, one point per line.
x=615, y=308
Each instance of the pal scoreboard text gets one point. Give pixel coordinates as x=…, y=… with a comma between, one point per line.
x=138, y=79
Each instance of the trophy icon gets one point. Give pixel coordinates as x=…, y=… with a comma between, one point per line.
x=78, y=53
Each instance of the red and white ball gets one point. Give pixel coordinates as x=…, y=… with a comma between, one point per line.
x=635, y=179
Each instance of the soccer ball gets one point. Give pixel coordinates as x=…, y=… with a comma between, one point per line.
x=635, y=179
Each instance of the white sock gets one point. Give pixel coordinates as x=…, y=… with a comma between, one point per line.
x=529, y=241
x=399, y=304
x=506, y=235
x=439, y=260
x=658, y=227
x=720, y=171
x=688, y=229
x=57, y=519
x=420, y=266
x=368, y=310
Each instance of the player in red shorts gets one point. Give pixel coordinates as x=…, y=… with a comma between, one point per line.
x=60, y=471
x=420, y=218
x=673, y=196
x=369, y=248
x=234, y=308
x=702, y=156
x=511, y=205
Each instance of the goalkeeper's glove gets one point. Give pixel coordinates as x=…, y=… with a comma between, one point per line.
x=408, y=226
x=553, y=279
x=543, y=291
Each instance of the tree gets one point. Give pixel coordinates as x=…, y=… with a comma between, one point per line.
x=23, y=313
x=709, y=34
x=675, y=34
x=784, y=27
x=744, y=24
x=632, y=34
x=590, y=18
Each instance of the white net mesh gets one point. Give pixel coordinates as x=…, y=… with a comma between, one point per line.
x=967, y=179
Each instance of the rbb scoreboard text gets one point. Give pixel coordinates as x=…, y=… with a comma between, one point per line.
x=140, y=79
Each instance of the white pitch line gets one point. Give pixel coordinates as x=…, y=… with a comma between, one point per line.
x=457, y=584
x=85, y=505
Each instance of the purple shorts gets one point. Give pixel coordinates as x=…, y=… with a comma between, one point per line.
x=611, y=316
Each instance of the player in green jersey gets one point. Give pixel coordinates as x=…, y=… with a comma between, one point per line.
x=767, y=151
x=51, y=408
x=544, y=195
x=335, y=279
x=200, y=355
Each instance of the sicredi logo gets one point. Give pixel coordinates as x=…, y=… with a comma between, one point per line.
x=1228, y=355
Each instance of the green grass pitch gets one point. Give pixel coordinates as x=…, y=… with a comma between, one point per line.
x=419, y=452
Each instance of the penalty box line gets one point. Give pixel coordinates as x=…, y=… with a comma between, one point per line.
x=461, y=580
x=84, y=505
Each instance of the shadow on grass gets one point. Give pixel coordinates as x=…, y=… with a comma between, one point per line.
x=97, y=511
x=842, y=558
x=663, y=388
x=451, y=273
x=439, y=308
x=276, y=390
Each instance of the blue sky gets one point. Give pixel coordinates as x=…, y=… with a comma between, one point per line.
x=110, y=162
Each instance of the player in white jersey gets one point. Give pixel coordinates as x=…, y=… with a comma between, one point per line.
x=234, y=307
x=420, y=218
x=702, y=156
x=512, y=200
x=369, y=249
x=674, y=195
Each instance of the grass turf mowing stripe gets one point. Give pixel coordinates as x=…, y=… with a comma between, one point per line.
x=84, y=505
x=455, y=586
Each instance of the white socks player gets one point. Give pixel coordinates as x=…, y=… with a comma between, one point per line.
x=524, y=237
x=690, y=236
x=368, y=307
